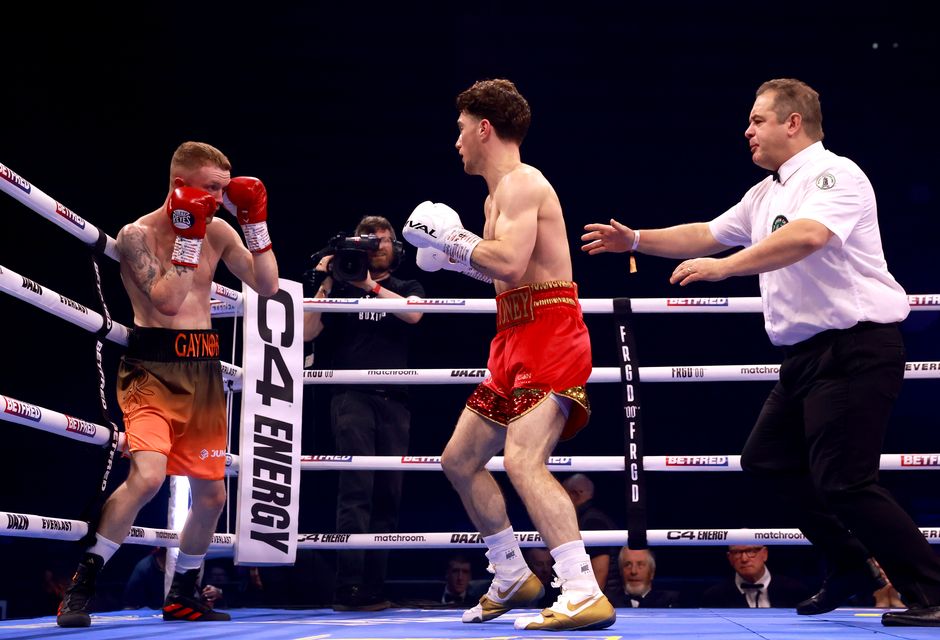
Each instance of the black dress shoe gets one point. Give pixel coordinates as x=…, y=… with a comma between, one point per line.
x=913, y=617
x=840, y=586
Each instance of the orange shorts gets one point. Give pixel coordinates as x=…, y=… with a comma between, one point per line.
x=541, y=347
x=169, y=386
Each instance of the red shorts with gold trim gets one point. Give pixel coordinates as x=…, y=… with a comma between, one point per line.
x=541, y=347
x=170, y=390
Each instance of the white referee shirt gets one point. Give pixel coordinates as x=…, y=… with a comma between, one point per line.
x=842, y=284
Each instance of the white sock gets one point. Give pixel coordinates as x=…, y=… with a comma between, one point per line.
x=573, y=566
x=103, y=547
x=505, y=554
x=186, y=562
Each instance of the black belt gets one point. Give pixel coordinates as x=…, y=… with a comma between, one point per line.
x=827, y=336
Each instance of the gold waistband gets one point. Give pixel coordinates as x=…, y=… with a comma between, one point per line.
x=517, y=306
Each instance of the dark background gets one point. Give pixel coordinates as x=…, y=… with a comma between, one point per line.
x=638, y=113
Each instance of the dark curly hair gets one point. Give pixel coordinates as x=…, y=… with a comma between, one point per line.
x=501, y=103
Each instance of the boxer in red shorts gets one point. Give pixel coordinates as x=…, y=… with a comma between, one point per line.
x=170, y=381
x=539, y=362
x=541, y=350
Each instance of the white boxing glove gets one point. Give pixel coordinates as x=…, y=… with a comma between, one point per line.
x=430, y=259
x=437, y=225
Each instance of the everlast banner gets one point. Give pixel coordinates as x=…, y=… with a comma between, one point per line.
x=269, y=449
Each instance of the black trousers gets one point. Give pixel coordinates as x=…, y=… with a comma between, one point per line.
x=368, y=423
x=818, y=440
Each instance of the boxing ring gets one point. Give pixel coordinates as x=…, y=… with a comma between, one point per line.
x=766, y=623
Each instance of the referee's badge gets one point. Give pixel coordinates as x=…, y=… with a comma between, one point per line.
x=826, y=181
x=779, y=221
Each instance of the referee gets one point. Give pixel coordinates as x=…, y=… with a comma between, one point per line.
x=810, y=230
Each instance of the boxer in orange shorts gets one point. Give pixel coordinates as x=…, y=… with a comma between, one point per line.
x=170, y=379
x=170, y=390
x=541, y=351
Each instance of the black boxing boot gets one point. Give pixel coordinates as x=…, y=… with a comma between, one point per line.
x=182, y=603
x=73, y=610
x=839, y=586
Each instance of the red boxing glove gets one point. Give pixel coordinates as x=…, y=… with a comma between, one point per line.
x=187, y=210
x=247, y=199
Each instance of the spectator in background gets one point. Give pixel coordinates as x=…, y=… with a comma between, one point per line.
x=637, y=570
x=752, y=585
x=460, y=589
x=145, y=587
x=591, y=518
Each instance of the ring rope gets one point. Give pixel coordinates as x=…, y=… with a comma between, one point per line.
x=61, y=424
x=918, y=302
x=914, y=370
x=25, y=525
x=55, y=303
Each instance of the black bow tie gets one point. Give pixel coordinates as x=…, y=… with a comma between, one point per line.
x=637, y=599
x=776, y=176
x=752, y=585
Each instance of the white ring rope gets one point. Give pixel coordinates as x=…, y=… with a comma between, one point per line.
x=918, y=302
x=24, y=525
x=58, y=305
x=704, y=373
x=51, y=421
x=567, y=464
x=45, y=298
x=78, y=314
x=54, y=211
x=60, y=424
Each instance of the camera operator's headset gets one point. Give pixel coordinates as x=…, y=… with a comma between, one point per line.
x=398, y=252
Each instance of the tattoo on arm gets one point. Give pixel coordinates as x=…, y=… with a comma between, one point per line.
x=143, y=266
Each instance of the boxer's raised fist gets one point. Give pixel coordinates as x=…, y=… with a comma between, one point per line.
x=187, y=210
x=247, y=200
x=433, y=224
x=426, y=225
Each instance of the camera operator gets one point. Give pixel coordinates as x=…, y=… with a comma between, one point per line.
x=366, y=420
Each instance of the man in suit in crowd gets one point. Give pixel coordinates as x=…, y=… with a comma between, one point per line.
x=637, y=569
x=752, y=585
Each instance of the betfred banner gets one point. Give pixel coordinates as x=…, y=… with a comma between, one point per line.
x=269, y=441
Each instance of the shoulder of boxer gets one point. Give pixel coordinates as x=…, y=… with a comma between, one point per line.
x=521, y=192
